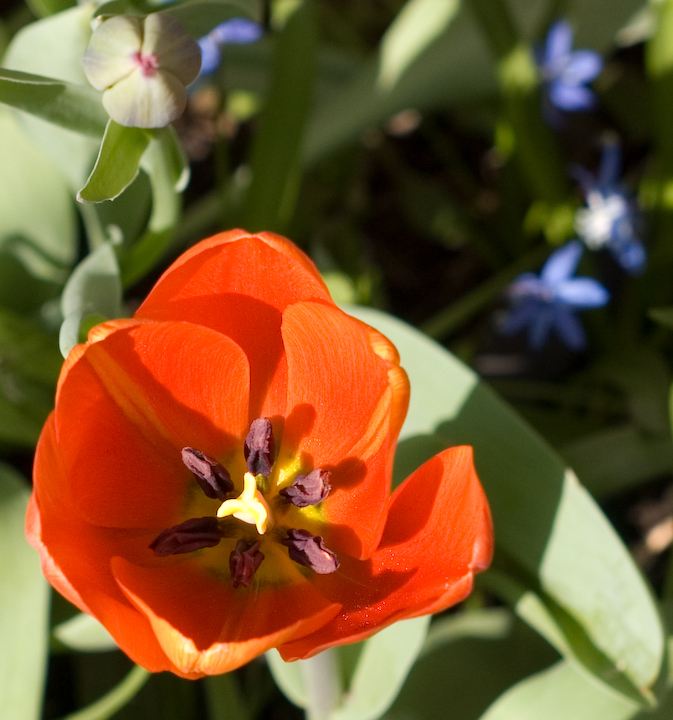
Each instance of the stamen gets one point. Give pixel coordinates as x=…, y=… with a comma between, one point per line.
x=191, y=535
x=310, y=551
x=308, y=489
x=213, y=478
x=249, y=506
x=244, y=560
x=259, y=447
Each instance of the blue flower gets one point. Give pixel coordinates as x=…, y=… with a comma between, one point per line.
x=565, y=74
x=237, y=31
x=610, y=219
x=549, y=301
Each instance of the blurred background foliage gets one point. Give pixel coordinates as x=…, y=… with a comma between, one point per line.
x=411, y=149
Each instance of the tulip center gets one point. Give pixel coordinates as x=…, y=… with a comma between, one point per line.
x=293, y=505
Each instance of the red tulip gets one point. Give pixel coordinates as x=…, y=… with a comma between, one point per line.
x=215, y=478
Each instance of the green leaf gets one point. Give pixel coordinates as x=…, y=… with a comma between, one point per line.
x=53, y=48
x=288, y=677
x=85, y=634
x=664, y=316
x=37, y=211
x=559, y=693
x=117, y=163
x=544, y=519
x=24, y=607
x=275, y=155
x=382, y=668
x=74, y=107
x=94, y=288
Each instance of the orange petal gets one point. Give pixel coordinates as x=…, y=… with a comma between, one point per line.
x=437, y=536
x=137, y=394
x=76, y=556
x=240, y=284
x=207, y=627
x=346, y=400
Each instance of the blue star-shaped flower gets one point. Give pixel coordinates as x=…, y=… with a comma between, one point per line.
x=549, y=301
x=566, y=73
x=610, y=219
x=237, y=31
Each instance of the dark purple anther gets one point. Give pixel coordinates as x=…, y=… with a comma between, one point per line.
x=211, y=476
x=310, y=551
x=308, y=489
x=191, y=535
x=259, y=447
x=244, y=560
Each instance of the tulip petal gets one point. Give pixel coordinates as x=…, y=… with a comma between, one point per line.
x=437, y=536
x=75, y=554
x=346, y=400
x=138, y=394
x=239, y=284
x=207, y=627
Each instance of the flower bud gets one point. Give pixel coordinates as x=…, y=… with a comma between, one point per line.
x=143, y=66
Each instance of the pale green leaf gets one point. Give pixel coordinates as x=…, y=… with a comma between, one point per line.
x=85, y=634
x=117, y=163
x=37, y=211
x=288, y=677
x=199, y=17
x=94, y=288
x=560, y=693
x=543, y=517
x=24, y=608
x=74, y=107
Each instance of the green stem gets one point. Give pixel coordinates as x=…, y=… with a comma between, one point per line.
x=322, y=681
x=448, y=320
x=535, y=145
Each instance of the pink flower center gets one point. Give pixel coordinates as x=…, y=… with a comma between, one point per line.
x=149, y=64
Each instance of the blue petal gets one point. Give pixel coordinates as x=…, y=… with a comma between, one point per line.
x=582, y=293
x=237, y=31
x=562, y=263
x=520, y=317
x=571, y=97
x=559, y=41
x=584, y=66
x=210, y=55
x=540, y=327
x=569, y=328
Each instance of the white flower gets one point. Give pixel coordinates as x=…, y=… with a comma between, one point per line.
x=143, y=65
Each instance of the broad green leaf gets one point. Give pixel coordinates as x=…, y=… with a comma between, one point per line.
x=119, y=696
x=168, y=173
x=53, y=47
x=117, y=163
x=85, y=634
x=37, y=211
x=42, y=8
x=664, y=316
x=288, y=677
x=24, y=607
x=94, y=288
x=275, y=155
x=382, y=668
x=560, y=693
x=74, y=107
x=544, y=519
x=469, y=660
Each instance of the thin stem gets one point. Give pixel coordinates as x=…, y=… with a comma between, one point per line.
x=322, y=681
